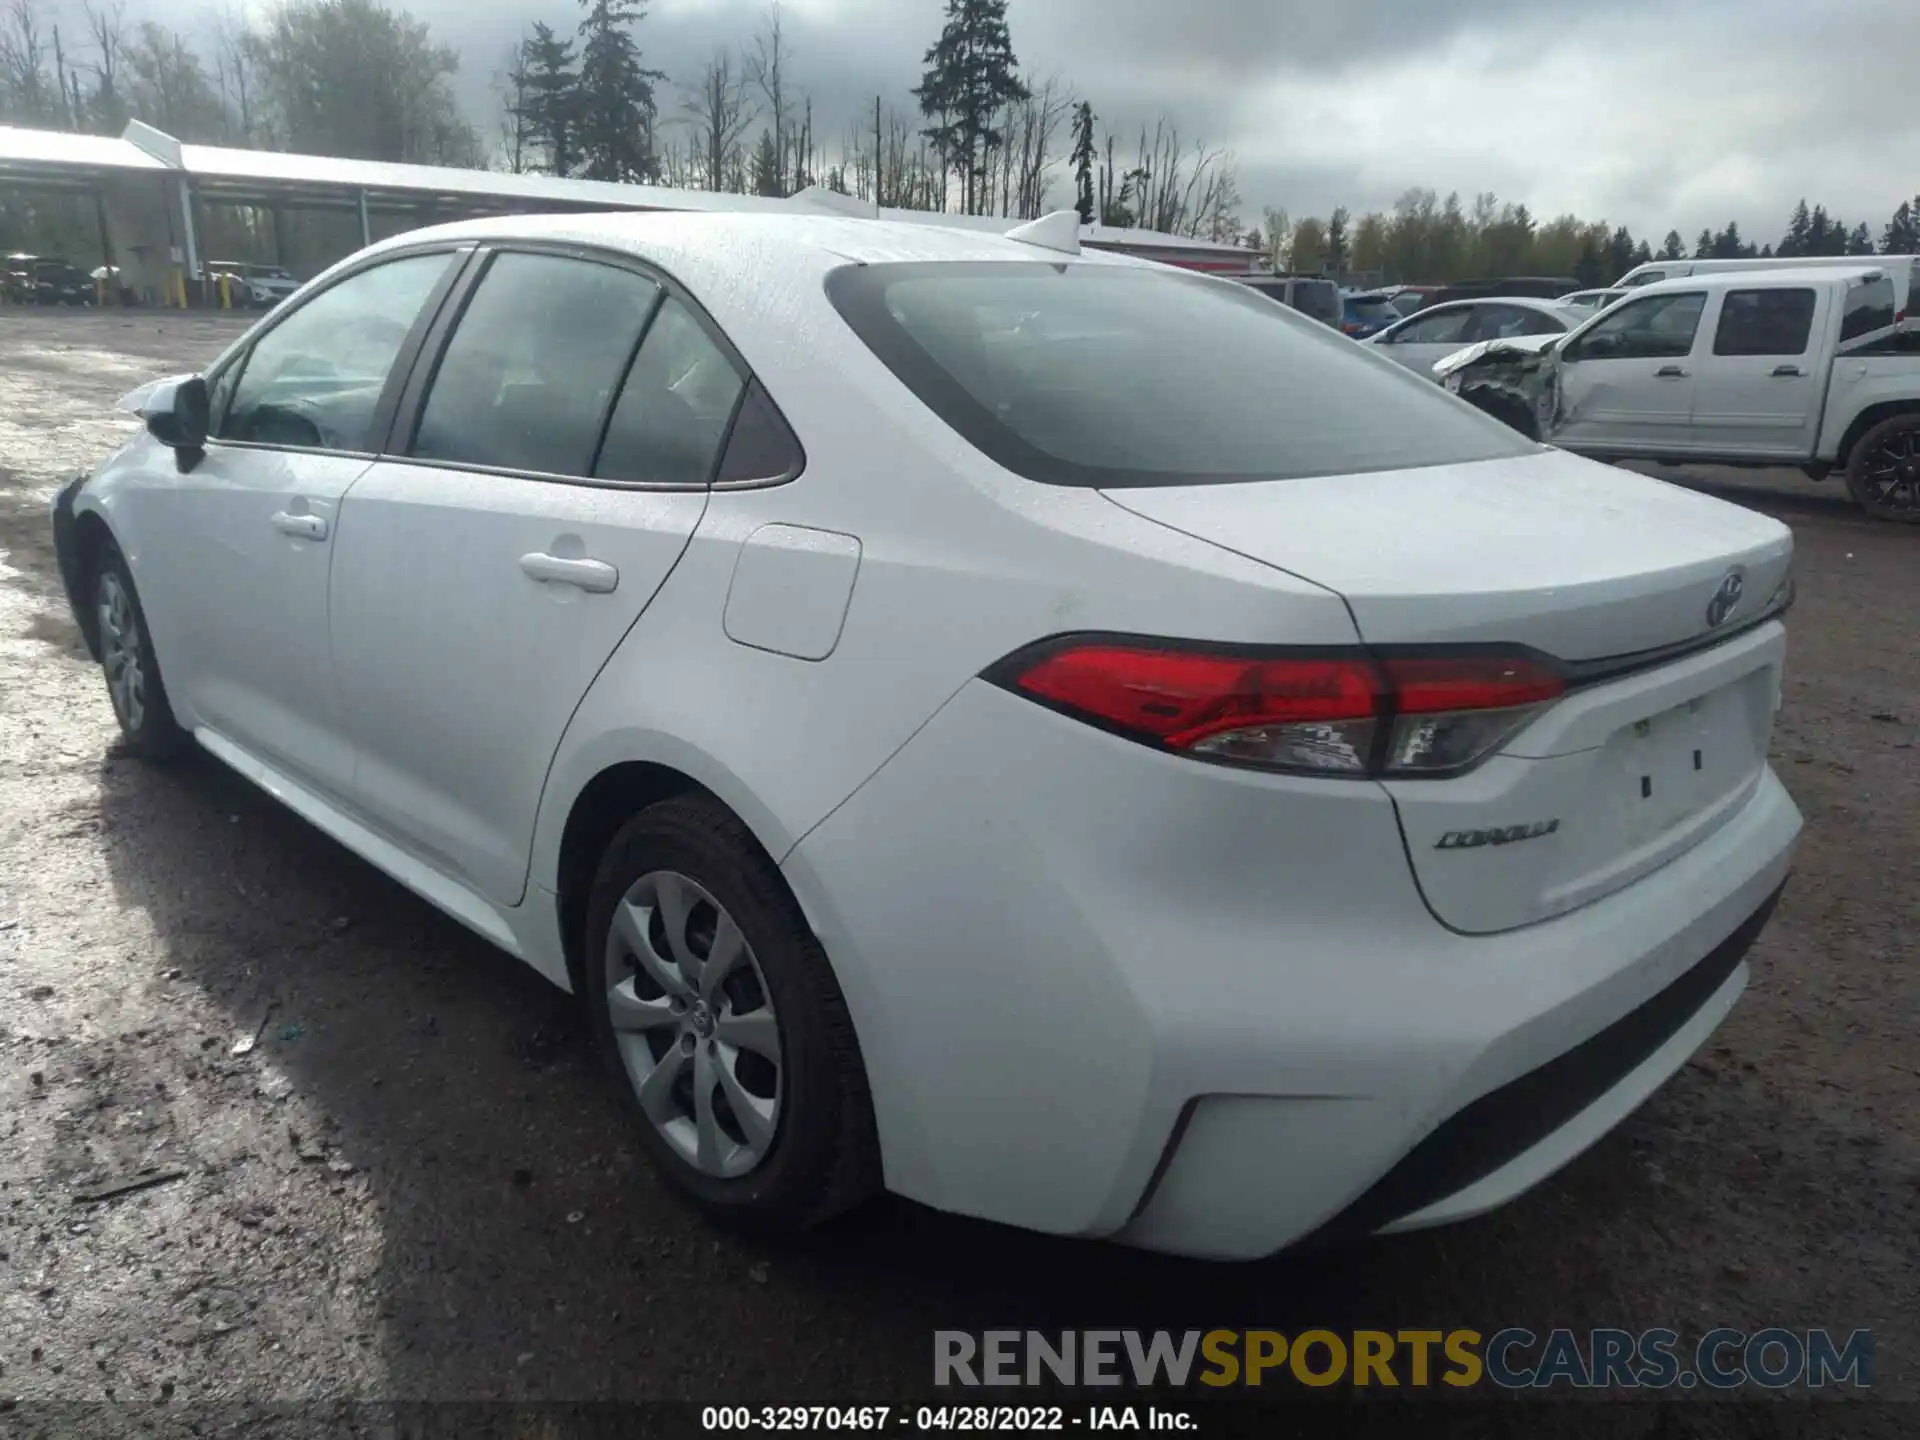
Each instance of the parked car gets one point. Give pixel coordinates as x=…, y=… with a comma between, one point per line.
x=1533, y=287
x=55, y=282
x=1590, y=300
x=259, y=286
x=1733, y=368
x=18, y=279
x=1367, y=313
x=1411, y=299
x=1309, y=294
x=1439, y=330
x=1062, y=793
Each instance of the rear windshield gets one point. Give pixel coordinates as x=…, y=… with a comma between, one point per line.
x=1110, y=376
x=1318, y=298
x=1370, y=306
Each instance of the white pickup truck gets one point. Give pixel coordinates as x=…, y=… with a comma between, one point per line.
x=1813, y=367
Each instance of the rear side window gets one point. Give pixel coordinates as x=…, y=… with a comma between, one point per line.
x=531, y=370
x=1110, y=376
x=1765, y=322
x=1443, y=327
x=1869, y=308
x=314, y=380
x=674, y=409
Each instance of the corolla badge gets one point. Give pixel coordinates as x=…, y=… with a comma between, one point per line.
x=1503, y=835
x=1727, y=598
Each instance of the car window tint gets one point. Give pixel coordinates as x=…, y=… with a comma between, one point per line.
x=674, y=408
x=1104, y=375
x=1765, y=322
x=1651, y=328
x=1501, y=322
x=1869, y=308
x=1443, y=327
x=525, y=381
x=314, y=380
x=760, y=446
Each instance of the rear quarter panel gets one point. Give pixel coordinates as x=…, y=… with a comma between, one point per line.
x=1855, y=384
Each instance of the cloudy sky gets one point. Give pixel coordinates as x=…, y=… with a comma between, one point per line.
x=1651, y=113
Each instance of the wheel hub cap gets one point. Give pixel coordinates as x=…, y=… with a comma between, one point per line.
x=694, y=1023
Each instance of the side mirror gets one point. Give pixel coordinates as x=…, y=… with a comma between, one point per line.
x=177, y=415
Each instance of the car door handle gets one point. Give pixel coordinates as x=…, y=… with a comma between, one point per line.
x=594, y=576
x=1670, y=372
x=307, y=527
x=1787, y=371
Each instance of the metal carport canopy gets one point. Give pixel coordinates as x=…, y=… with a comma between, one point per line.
x=58, y=159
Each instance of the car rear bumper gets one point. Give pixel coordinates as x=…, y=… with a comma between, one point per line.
x=1104, y=991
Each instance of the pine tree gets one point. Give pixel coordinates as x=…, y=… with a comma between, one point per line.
x=1620, y=254
x=970, y=78
x=550, y=101
x=1819, y=232
x=1644, y=255
x=617, y=108
x=1674, y=248
x=1799, y=232
x=1703, y=247
x=1587, y=267
x=1902, y=235
x=1860, y=240
x=1337, y=241
x=764, y=175
x=1082, y=160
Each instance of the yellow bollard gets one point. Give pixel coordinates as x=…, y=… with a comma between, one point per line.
x=226, y=294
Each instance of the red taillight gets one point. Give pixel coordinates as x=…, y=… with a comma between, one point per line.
x=1351, y=713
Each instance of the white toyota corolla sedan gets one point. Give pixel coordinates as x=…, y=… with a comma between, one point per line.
x=1065, y=740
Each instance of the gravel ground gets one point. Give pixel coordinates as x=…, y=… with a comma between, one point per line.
x=411, y=1185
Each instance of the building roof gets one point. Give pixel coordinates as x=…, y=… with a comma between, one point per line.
x=237, y=176
x=59, y=157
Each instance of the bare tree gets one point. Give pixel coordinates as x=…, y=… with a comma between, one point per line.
x=233, y=63
x=720, y=114
x=681, y=165
x=23, y=49
x=767, y=68
x=1031, y=126
x=510, y=84
x=106, y=27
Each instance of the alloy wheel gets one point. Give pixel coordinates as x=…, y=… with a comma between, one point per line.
x=694, y=1022
x=120, y=651
x=1891, y=474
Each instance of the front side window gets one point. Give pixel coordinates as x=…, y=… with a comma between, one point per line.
x=531, y=370
x=1110, y=376
x=1765, y=322
x=1657, y=327
x=314, y=380
x=1869, y=308
x=1442, y=327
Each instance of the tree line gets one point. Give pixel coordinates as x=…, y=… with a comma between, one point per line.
x=976, y=134
x=1425, y=239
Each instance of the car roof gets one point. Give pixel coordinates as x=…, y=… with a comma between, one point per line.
x=709, y=240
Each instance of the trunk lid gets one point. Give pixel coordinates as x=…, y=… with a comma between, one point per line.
x=1570, y=557
x=1586, y=564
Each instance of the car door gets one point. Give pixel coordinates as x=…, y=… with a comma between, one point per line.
x=1626, y=380
x=557, y=462
x=1757, y=393
x=244, y=539
x=1430, y=336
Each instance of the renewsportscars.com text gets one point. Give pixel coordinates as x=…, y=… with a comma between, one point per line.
x=1513, y=1358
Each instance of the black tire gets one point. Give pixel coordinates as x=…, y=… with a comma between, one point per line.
x=140, y=705
x=824, y=1156
x=1897, y=500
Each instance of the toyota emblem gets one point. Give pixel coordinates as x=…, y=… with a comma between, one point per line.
x=1727, y=598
